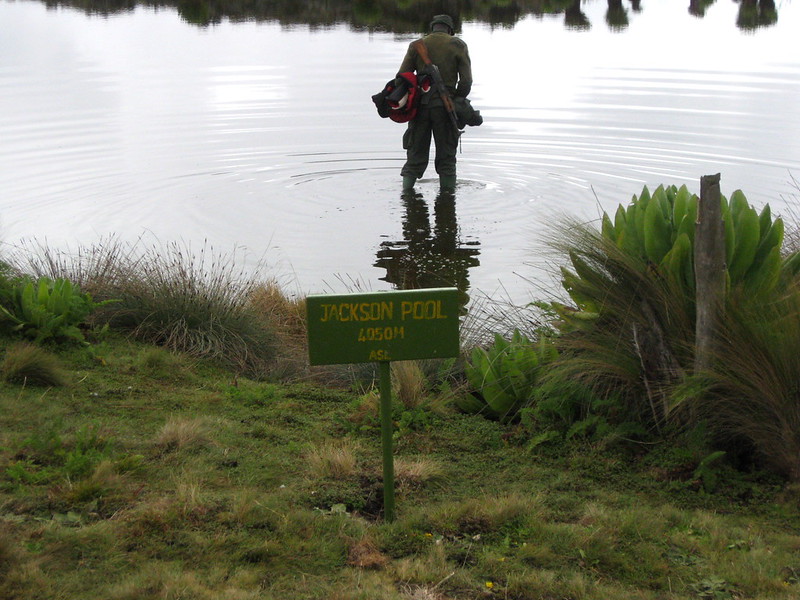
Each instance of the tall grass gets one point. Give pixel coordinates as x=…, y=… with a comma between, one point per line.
x=751, y=394
x=639, y=344
x=197, y=301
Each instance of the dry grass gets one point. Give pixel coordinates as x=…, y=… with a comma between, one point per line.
x=412, y=473
x=367, y=409
x=364, y=554
x=424, y=572
x=179, y=433
x=9, y=554
x=176, y=584
x=285, y=313
x=28, y=364
x=189, y=497
x=335, y=459
x=483, y=514
x=287, y=316
x=409, y=383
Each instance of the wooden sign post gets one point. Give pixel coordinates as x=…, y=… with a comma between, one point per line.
x=382, y=327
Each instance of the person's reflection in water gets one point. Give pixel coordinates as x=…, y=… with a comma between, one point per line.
x=756, y=13
x=616, y=15
x=575, y=18
x=428, y=258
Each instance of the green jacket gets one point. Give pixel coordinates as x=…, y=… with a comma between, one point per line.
x=448, y=53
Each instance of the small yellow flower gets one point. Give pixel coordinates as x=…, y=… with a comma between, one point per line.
x=428, y=535
x=489, y=584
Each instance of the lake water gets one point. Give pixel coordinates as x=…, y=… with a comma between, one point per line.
x=262, y=136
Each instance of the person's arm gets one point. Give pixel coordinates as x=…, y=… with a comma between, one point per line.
x=409, y=61
x=464, y=74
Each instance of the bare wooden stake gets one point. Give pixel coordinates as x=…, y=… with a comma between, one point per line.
x=709, y=266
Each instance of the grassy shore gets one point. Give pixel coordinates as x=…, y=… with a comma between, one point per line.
x=155, y=475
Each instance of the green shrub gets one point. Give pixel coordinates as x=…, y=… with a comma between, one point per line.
x=505, y=375
x=630, y=330
x=658, y=230
x=45, y=309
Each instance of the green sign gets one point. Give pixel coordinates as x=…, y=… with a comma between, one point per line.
x=383, y=326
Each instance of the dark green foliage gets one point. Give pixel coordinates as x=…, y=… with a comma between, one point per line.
x=658, y=231
x=44, y=309
x=629, y=334
x=568, y=409
x=48, y=454
x=505, y=375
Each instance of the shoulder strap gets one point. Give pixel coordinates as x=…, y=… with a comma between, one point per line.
x=419, y=46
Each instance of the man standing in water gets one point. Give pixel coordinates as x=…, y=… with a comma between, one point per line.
x=451, y=56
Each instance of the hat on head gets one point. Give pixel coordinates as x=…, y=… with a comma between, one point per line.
x=444, y=20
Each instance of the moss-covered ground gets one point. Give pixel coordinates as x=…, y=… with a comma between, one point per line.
x=154, y=476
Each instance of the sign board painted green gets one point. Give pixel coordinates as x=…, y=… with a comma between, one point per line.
x=382, y=326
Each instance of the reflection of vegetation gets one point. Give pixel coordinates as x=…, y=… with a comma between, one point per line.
x=616, y=15
x=698, y=7
x=403, y=16
x=425, y=259
x=756, y=13
x=575, y=18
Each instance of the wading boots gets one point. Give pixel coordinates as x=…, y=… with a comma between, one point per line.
x=447, y=182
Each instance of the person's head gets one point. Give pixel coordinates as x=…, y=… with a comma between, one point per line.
x=443, y=23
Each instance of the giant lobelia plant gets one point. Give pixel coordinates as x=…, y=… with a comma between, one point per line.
x=631, y=324
x=504, y=376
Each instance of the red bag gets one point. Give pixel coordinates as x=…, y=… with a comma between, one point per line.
x=400, y=97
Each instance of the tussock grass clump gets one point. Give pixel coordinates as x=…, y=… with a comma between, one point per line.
x=193, y=301
x=180, y=433
x=409, y=383
x=26, y=363
x=93, y=268
x=333, y=460
x=411, y=473
x=286, y=315
x=750, y=395
x=638, y=342
x=104, y=482
x=364, y=553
